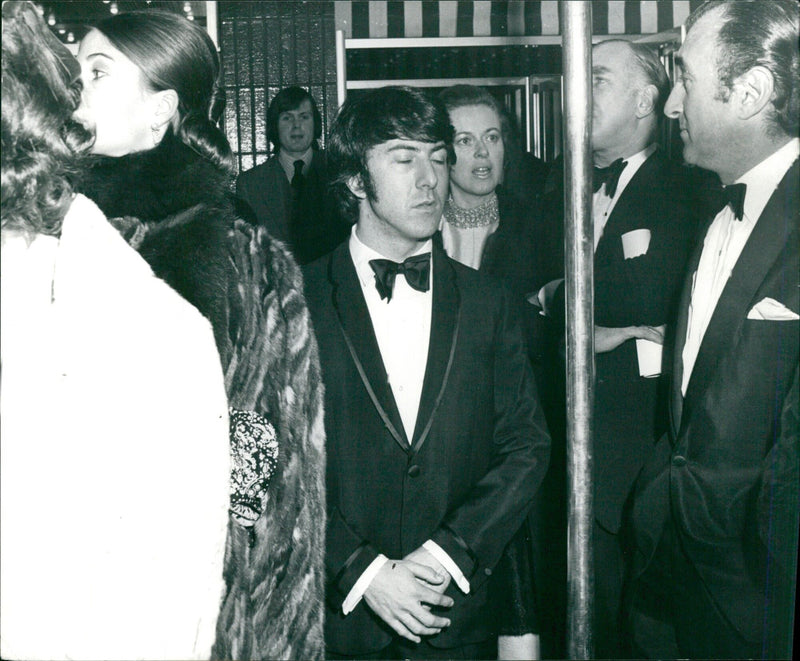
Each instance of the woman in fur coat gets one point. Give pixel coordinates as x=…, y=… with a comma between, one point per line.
x=151, y=95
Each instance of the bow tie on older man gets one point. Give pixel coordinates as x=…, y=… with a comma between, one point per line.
x=731, y=195
x=416, y=269
x=608, y=176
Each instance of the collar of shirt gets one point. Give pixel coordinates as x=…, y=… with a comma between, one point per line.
x=763, y=179
x=634, y=162
x=287, y=162
x=362, y=254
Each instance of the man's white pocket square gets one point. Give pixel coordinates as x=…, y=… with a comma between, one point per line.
x=769, y=309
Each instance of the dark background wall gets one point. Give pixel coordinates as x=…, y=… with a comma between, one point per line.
x=266, y=46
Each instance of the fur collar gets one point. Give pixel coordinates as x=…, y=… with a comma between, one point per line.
x=155, y=184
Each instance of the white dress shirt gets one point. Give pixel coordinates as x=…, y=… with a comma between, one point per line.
x=402, y=328
x=724, y=242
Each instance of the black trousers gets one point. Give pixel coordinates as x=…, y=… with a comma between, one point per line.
x=400, y=648
x=671, y=613
x=609, y=575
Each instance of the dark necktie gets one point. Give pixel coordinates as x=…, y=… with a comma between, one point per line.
x=416, y=269
x=297, y=179
x=732, y=195
x=608, y=176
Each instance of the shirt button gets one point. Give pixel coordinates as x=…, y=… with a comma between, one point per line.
x=413, y=471
x=487, y=571
x=679, y=461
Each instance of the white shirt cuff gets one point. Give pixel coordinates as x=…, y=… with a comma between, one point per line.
x=545, y=296
x=357, y=592
x=447, y=562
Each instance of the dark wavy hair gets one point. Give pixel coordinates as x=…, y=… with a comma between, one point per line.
x=374, y=117
x=290, y=98
x=175, y=53
x=42, y=147
x=758, y=33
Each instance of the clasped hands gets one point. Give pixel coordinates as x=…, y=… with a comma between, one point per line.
x=403, y=591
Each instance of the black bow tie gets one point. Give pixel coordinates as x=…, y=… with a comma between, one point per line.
x=732, y=195
x=608, y=176
x=416, y=269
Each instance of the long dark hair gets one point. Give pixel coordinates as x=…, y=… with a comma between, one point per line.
x=42, y=147
x=175, y=53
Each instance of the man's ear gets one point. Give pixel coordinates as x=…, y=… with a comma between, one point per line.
x=164, y=108
x=753, y=91
x=646, y=102
x=356, y=186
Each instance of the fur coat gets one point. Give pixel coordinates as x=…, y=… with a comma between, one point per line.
x=174, y=207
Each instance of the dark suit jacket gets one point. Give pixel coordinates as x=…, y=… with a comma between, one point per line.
x=479, y=448
x=630, y=410
x=728, y=471
x=309, y=225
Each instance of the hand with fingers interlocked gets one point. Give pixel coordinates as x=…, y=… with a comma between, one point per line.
x=402, y=594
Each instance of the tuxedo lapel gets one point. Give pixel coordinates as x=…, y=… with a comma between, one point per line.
x=628, y=206
x=443, y=338
x=359, y=335
x=775, y=227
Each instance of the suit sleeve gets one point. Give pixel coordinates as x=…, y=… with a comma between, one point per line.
x=778, y=507
x=475, y=533
x=347, y=557
x=242, y=188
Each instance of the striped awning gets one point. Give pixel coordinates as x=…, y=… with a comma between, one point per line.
x=365, y=19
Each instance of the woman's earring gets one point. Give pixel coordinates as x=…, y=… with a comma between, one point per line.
x=154, y=133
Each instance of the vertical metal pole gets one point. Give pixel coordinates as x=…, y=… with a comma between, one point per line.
x=528, y=127
x=212, y=26
x=341, y=68
x=579, y=250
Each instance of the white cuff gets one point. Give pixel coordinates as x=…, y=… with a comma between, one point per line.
x=357, y=592
x=545, y=296
x=447, y=562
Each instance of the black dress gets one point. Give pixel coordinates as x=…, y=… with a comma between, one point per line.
x=518, y=254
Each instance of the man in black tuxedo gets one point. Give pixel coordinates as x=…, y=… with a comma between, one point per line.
x=288, y=193
x=643, y=229
x=435, y=439
x=716, y=510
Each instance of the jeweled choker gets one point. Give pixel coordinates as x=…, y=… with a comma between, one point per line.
x=480, y=216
